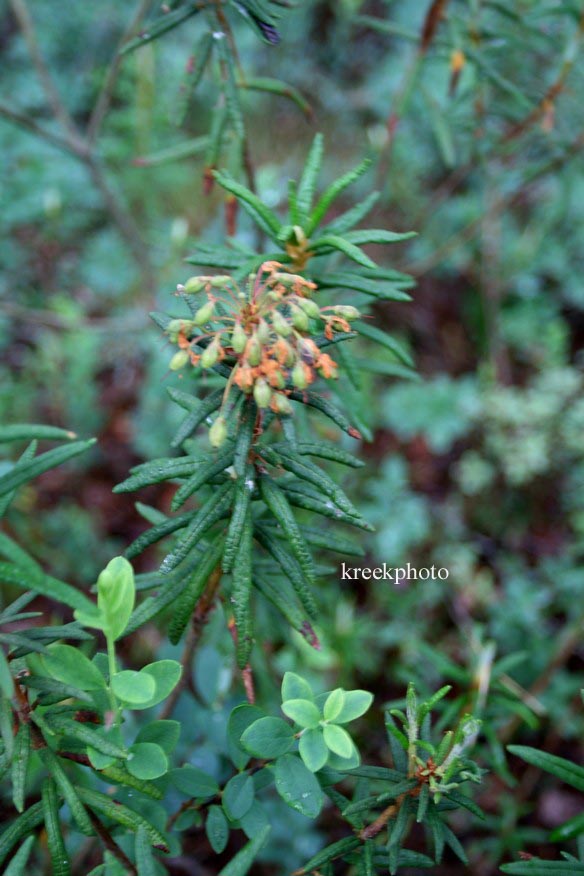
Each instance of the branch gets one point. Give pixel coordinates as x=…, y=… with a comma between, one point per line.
x=111, y=845
x=22, y=15
x=104, y=99
x=70, y=145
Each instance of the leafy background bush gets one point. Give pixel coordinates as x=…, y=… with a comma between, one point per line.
x=471, y=115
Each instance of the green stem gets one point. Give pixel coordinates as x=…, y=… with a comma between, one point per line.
x=111, y=661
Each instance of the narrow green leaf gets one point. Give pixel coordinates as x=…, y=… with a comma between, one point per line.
x=184, y=149
x=27, y=471
x=203, y=409
x=276, y=86
x=261, y=214
x=68, y=791
x=60, y=863
x=341, y=244
x=214, y=509
x=163, y=25
x=240, y=864
x=143, y=850
x=277, y=503
x=332, y=192
x=308, y=180
x=291, y=569
x=50, y=587
x=194, y=589
x=121, y=814
x=28, y=432
x=21, y=827
x=215, y=464
x=18, y=866
x=563, y=769
x=20, y=761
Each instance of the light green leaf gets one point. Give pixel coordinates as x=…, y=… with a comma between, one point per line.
x=294, y=687
x=356, y=704
x=166, y=675
x=334, y=704
x=116, y=594
x=338, y=740
x=313, y=750
x=303, y=712
x=134, y=688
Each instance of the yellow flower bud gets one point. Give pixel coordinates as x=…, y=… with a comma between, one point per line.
x=238, y=338
x=204, y=313
x=299, y=319
x=281, y=404
x=195, y=284
x=281, y=324
x=309, y=307
x=346, y=311
x=218, y=432
x=210, y=354
x=299, y=376
x=178, y=360
x=253, y=351
x=262, y=393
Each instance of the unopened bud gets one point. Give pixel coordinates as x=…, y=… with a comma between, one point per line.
x=346, y=311
x=195, y=284
x=178, y=360
x=210, y=354
x=179, y=325
x=300, y=319
x=298, y=375
x=219, y=281
x=204, y=313
x=218, y=432
x=238, y=338
x=309, y=307
x=253, y=351
x=263, y=331
x=262, y=393
x=281, y=324
x=308, y=350
x=281, y=404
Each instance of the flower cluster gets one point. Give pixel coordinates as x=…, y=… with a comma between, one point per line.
x=264, y=333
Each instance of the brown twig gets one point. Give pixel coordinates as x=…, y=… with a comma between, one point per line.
x=60, y=112
x=79, y=146
x=111, y=845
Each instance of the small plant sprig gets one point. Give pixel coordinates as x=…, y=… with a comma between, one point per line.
x=68, y=710
x=261, y=333
x=422, y=787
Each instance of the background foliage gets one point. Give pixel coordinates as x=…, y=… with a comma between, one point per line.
x=470, y=113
